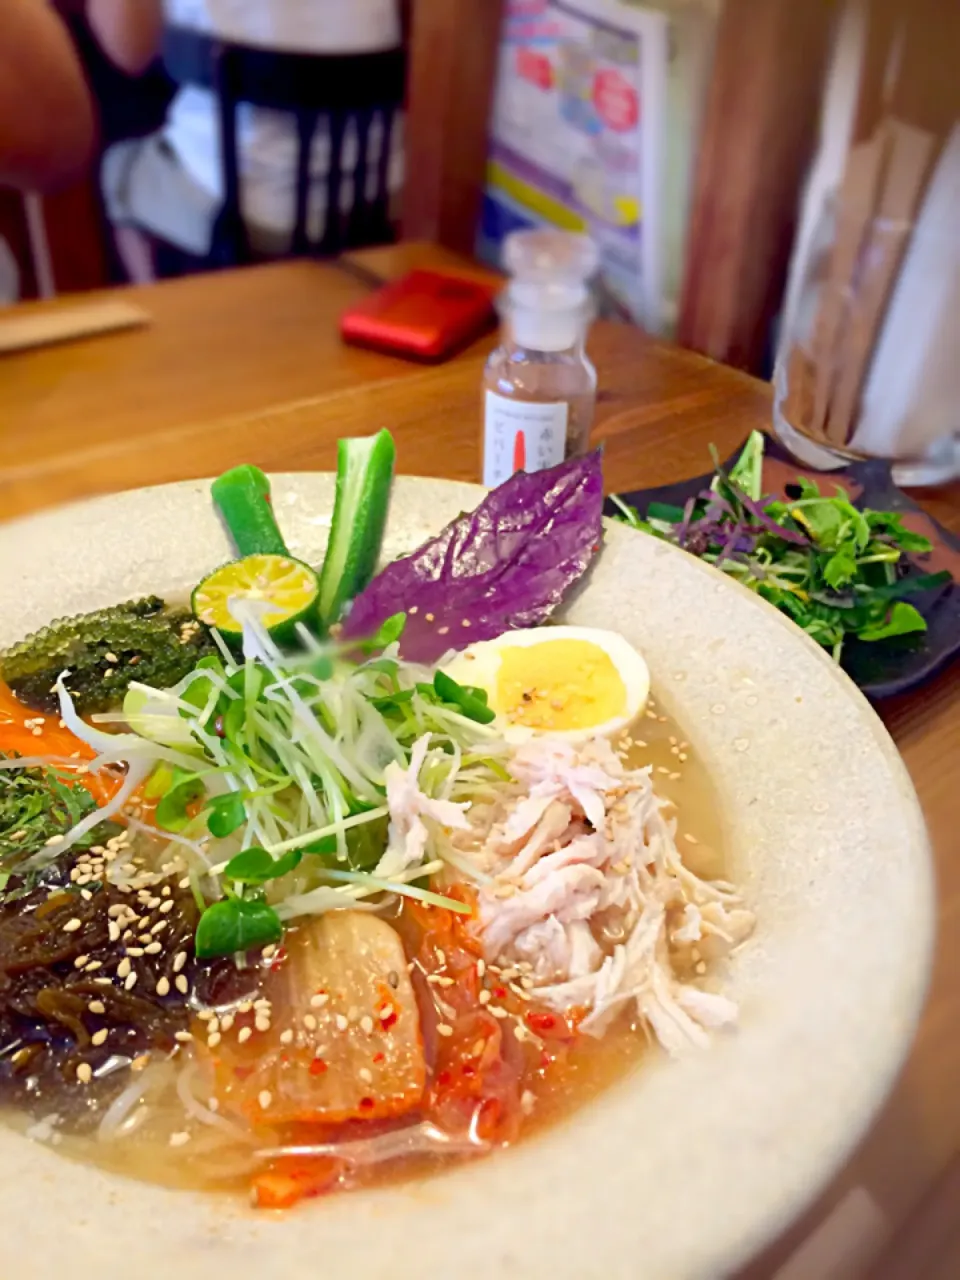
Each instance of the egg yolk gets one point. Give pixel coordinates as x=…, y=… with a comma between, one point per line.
x=559, y=684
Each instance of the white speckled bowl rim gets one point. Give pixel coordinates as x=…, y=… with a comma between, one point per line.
x=682, y=1171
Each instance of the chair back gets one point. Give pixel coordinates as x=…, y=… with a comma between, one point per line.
x=351, y=93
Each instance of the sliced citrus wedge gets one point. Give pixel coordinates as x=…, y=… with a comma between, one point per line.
x=288, y=588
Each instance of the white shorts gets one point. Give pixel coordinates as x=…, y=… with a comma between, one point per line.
x=144, y=185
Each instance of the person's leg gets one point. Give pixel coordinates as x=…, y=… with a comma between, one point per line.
x=135, y=250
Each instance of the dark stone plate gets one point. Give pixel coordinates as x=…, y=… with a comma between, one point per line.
x=890, y=666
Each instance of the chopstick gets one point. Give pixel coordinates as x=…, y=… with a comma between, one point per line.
x=23, y=330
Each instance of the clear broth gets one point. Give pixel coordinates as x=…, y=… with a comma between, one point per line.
x=591, y=1066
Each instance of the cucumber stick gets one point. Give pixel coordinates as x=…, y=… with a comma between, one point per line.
x=243, y=496
x=364, y=477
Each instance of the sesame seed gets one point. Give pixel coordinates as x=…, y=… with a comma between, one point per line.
x=484, y=997
x=481, y=968
x=130, y=982
x=113, y=929
x=429, y=617
x=319, y=1000
x=179, y=960
x=365, y=1075
x=366, y=1024
x=442, y=631
x=159, y=926
x=413, y=609
x=97, y=1006
x=263, y=1003
x=163, y=987
x=441, y=958
x=86, y=895
x=181, y=983
x=701, y=968
x=226, y=1022
x=183, y=1036
x=444, y=1030
x=184, y=883
x=465, y=622
x=213, y=1104
x=244, y=1034
x=286, y=1037
x=682, y=757
x=689, y=838
x=167, y=907
x=243, y=1007
x=179, y=1139
x=444, y=982
x=213, y=1023
x=310, y=1022
x=80, y=962
x=261, y=1023
x=93, y=966
x=72, y=925
x=151, y=949
x=99, y=1037
x=498, y=1012
x=123, y=968
x=213, y=1039
x=84, y=1073
x=137, y=952
x=520, y=1031
x=265, y=1097
x=342, y=1022
x=111, y=657
x=269, y=950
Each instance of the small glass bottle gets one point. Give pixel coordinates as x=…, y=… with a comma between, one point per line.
x=539, y=385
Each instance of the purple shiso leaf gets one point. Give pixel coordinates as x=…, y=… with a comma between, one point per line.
x=756, y=509
x=508, y=564
x=684, y=526
x=730, y=538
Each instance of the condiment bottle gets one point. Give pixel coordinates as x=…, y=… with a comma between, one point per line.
x=539, y=385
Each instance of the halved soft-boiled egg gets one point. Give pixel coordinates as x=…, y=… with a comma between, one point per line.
x=573, y=682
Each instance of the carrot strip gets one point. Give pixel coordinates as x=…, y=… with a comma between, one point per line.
x=286, y=1182
x=18, y=734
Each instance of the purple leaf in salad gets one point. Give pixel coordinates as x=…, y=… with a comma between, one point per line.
x=758, y=512
x=508, y=564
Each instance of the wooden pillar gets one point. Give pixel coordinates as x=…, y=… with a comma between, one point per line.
x=453, y=51
x=758, y=137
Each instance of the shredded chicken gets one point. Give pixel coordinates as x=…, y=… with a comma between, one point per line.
x=584, y=853
x=409, y=806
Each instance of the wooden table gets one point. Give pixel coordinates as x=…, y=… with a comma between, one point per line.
x=246, y=366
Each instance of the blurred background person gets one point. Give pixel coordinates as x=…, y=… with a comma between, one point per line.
x=168, y=187
x=46, y=116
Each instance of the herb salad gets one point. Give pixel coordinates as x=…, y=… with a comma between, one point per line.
x=837, y=571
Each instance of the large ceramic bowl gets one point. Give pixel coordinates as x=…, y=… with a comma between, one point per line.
x=682, y=1170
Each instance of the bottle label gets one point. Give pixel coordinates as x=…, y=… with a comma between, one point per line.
x=521, y=436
